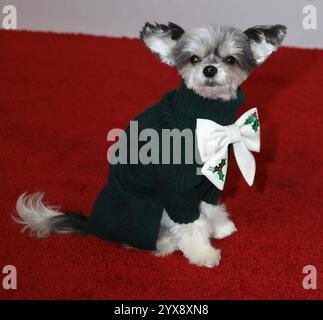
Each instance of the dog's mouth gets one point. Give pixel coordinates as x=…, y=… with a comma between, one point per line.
x=210, y=83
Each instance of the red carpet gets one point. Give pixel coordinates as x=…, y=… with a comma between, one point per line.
x=59, y=96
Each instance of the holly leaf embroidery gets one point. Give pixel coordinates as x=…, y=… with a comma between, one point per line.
x=221, y=175
x=211, y=169
x=249, y=120
x=222, y=163
x=218, y=169
x=255, y=125
x=254, y=121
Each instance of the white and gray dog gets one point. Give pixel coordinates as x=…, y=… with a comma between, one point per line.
x=212, y=61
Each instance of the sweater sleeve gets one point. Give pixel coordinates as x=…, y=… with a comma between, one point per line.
x=179, y=183
x=179, y=196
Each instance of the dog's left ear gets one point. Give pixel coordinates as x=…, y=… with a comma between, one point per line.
x=161, y=39
x=264, y=40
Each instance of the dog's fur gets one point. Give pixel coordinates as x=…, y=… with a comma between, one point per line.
x=233, y=54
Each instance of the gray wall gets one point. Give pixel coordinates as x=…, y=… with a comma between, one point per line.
x=126, y=17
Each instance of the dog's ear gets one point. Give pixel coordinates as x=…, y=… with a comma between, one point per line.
x=264, y=40
x=161, y=39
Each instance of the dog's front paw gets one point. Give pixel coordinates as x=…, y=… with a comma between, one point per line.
x=208, y=257
x=223, y=229
x=165, y=246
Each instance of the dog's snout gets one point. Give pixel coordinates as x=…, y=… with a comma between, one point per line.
x=210, y=71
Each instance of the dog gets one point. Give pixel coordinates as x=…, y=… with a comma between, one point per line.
x=169, y=207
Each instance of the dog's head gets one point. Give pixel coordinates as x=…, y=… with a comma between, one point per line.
x=212, y=60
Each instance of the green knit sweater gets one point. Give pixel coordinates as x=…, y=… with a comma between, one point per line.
x=130, y=206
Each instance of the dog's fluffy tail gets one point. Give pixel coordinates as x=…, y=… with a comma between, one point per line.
x=41, y=219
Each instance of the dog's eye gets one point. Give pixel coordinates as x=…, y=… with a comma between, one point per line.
x=229, y=60
x=194, y=59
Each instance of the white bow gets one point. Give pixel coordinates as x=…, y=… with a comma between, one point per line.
x=213, y=141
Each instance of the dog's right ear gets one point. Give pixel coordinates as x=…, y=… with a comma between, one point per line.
x=264, y=40
x=161, y=39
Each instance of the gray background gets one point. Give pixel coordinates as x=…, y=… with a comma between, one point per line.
x=126, y=17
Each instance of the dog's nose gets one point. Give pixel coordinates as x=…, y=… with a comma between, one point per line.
x=210, y=71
